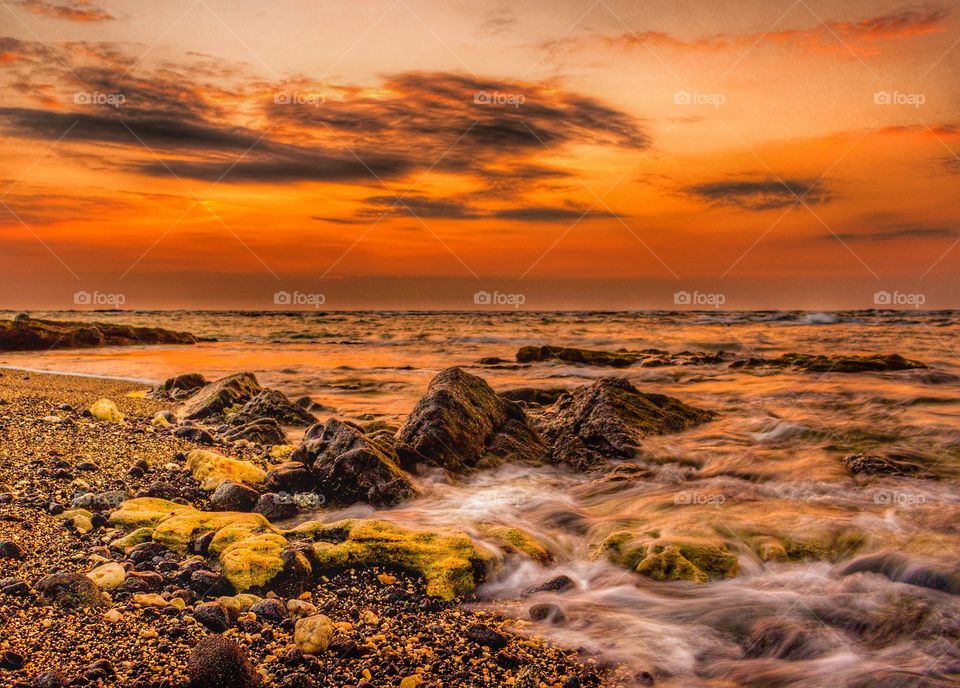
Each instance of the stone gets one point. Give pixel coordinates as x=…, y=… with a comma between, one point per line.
x=903, y=464
x=461, y=423
x=33, y=334
x=233, y=496
x=218, y=662
x=292, y=477
x=214, y=399
x=276, y=507
x=70, y=591
x=547, y=611
x=271, y=403
x=556, y=584
x=537, y=396
x=105, y=410
x=10, y=550
x=312, y=634
x=108, y=576
x=178, y=387
x=213, y=615
x=269, y=611
x=349, y=467
x=194, y=434
x=487, y=637
x=210, y=469
x=149, y=600
x=264, y=431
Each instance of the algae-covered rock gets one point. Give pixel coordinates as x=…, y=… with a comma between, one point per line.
x=670, y=559
x=211, y=468
x=517, y=541
x=254, y=562
x=462, y=423
x=313, y=634
x=106, y=410
x=450, y=561
x=609, y=419
x=70, y=591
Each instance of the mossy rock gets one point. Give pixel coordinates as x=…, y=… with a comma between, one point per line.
x=144, y=512
x=670, y=559
x=106, y=410
x=252, y=562
x=450, y=562
x=517, y=541
x=668, y=565
x=211, y=468
x=139, y=536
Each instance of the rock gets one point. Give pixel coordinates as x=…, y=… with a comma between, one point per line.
x=535, y=395
x=205, y=583
x=834, y=364
x=178, y=387
x=109, y=576
x=70, y=591
x=689, y=560
x=164, y=418
x=548, y=612
x=909, y=570
x=217, y=662
x=14, y=587
x=210, y=469
x=895, y=463
x=104, y=501
x=149, y=600
x=11, y=660
x=217, y=397
x=194, y=434
x=233, y=496
x=265, y=431
x=312, y=634
x=112, y=616
x=213, y=615
x=105, y=410
x=292, y=477
x=349, y=467
x=271, y=403
x=265, y=563
x=608, y=420
x=451, y=563
x=530, y=354
x=10, y=550
x=50, y=679
x=486, y=637
x=556, y=584
x=462, y=423
x=269, y=611
x=31, y=334
x=276, y=507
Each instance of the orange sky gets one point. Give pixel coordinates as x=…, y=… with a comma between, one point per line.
x=408, y=154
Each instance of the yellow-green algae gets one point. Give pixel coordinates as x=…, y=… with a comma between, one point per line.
x=211, y=468
x=450, y=562
x=104, y=409
x=517, y=540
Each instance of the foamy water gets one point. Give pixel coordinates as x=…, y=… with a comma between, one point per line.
x=770, y=462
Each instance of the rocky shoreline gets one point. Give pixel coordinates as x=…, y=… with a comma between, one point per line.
x=24, y=333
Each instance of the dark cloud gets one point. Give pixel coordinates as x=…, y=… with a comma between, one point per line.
x=759, y=195
x=901, y=231
x=549, y=214
x=71, y=10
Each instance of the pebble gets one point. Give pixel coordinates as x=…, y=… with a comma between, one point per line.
x=313, y=634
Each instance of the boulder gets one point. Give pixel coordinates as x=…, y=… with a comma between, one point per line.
x=292, y=477
x=276, y=507
x=349, y=467
x=218, y=662
x=178, y=387
x=233, y=496
x=904, y=464
x=105, y=410
x=271, y=403
x=32, y=334
x=462, y=423
x=216, y=398
x=538, y=396
x=70, y=591
x=213, y=615
x=312, y=634
x=264, y=431
x=608, y=420
x=210, y=469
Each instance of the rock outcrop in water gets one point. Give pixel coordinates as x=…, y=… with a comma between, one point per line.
x=833, y=364
x=608, y=420
x=349, y=467
x=621, y=358
x=462, y=423
x=178, y=387
x=904, y=464
x=28, y=334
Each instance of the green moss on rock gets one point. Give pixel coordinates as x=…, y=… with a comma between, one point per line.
x=211, y=468
x=106, y=410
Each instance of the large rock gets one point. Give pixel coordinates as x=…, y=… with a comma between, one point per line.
x=292, y=477
x=349, y=467
x=30, y=334
x=106, y=410
x=217, y=397
x=266, y=431
x=313, y=634
x=609, y=419
x=210, y=469
x=462, y=423
x=178, y=387
x=233, y=496
x=218, y=662
x=70, y=591
x=271, y=403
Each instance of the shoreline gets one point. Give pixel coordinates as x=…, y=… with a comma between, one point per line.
x=386, y=630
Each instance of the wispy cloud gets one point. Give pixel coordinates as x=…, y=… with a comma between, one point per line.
x=759, y=195
x=71, y=10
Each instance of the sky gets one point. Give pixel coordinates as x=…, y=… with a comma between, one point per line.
x=443, y=154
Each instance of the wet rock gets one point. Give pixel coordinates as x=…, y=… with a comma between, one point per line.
x=462, y=423
x=10, y=550
x=271, y=403
x=276, y=507
x=264, y=431
x=556, y=584
x=217, y=397
x=213, y=615
x=32, y=334
x=904, y=569
x=898, y=464
x=70, y=591
x=530, y=354
x=194, y=434
x=608, y=420
x=233, y=496
x=350, y=467
x=313, y=634
x=292, y=477
x=548, y=612
x=210, y=469
x=486, y=637
x=835, y=364
x=178, y=387
x=217, y=662
x=269, y=611
x=535, y=395
x=786, y=639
